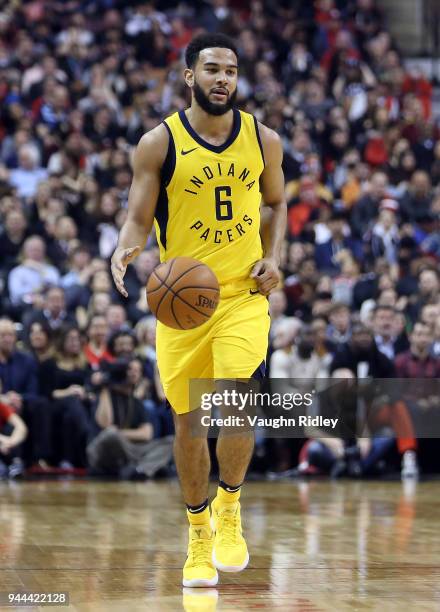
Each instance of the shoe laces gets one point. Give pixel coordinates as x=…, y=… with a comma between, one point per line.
x=200, y=550
x=228, y=526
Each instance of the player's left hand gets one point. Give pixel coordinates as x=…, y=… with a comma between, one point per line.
x=267, y=275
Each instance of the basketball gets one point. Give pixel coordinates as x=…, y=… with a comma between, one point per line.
x=183, y=293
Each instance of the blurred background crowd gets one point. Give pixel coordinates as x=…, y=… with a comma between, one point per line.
x=80, y=82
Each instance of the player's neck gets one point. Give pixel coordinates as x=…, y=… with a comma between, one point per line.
x=209, y=126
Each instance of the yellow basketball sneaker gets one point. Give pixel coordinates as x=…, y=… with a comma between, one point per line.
x=230, y=551
x=199, y=570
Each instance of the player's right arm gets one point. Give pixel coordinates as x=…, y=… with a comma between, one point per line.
x=144, y=191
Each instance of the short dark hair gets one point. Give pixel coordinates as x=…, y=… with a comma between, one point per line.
x=361, y=328
x=43, y=323
x=120, y=333
x=387, y=307
x=207, y=41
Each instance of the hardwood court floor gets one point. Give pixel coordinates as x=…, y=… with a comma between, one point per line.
x=314, y=546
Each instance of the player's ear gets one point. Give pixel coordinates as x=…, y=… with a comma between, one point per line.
x=189, y=77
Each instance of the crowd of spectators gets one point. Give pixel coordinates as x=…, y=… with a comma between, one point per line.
x=80, y=82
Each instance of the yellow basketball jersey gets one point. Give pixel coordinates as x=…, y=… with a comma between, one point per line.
x=209, y=202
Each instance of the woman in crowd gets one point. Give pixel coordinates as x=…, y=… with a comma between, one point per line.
x=70, y=400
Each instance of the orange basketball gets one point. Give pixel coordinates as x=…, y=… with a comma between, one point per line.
x=183, y=293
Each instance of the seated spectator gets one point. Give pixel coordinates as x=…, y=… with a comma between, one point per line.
x=296, y=361
x=125, y=447
x=431, y=240
x=297, y=358
x=71, y=419
x=95, y=280
x=417, y=363
x=54, y=311
x=295, y=255
x=337, y=457
x=323, y=347
x=121, y=346
x=33, y=275
x=365, y=209
x=40, y=341
x=299, y=288
x=428, y=291
x=339, y=329
x=361, y=355
x=304, y=201
x=325, y=254
x=343, y=282
x=430, y=314
x=416, y=201
x=29, y=173
x=382, y=239
x=347, y=178
x=363, y=358
x=116, y=318
x=18, y=378
x=98, y=305
x=384, y=329
x=295, y=153
x=97, y=335
x=79, y=268
x=63, y=240
x=13, y=432
x=387, y=297
x=14, y=232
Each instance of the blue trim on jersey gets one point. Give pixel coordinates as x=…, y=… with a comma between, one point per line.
x=166, y=174
x=214, y=148
x=257, y=130
x=260, y=372
x=169, y=164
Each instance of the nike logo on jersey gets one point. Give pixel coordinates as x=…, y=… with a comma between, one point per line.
x=253, y=291
x=189, y=151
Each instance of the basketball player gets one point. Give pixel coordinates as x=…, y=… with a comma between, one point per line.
x=201, y=176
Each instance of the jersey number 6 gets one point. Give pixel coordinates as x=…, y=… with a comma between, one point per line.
x=223, y=208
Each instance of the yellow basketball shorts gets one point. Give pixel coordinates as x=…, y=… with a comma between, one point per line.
x=231, y=344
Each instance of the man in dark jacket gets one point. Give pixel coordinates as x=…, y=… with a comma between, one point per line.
x=19, y=388
x=361, y=355
x=366, y=208
x=326, y=253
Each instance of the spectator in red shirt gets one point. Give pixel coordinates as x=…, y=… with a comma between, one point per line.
x=13, y=432
x=96, y=348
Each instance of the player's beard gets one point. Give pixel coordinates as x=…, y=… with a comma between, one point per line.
x=211, y=107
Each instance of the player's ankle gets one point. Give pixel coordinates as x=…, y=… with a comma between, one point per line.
x=198, y=514
x=228, y=494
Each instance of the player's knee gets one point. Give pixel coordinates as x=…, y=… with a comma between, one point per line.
x=185, y=426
